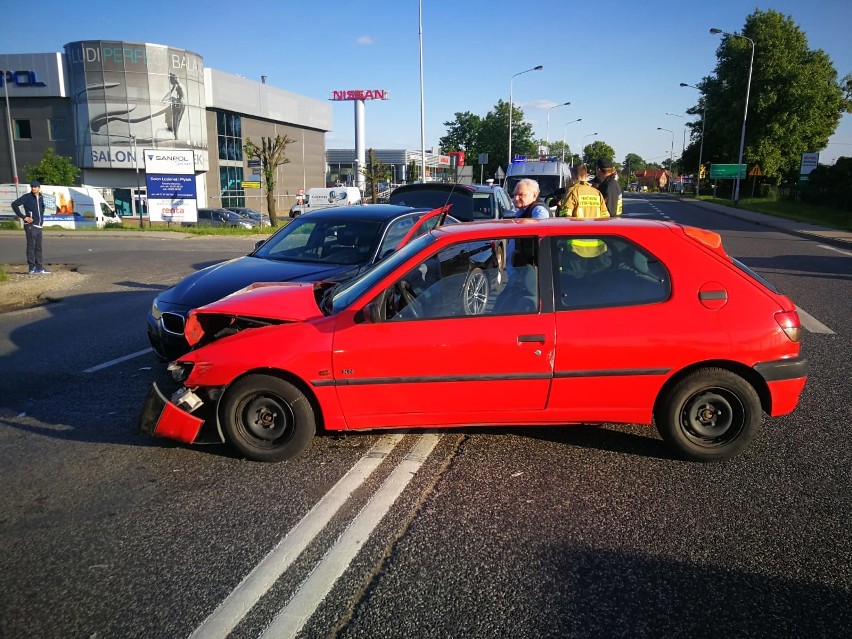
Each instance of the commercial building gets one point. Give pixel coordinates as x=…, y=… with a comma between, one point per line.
x=103, y=103
x=404, y=165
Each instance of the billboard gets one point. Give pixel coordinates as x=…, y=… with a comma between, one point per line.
x=127, y=95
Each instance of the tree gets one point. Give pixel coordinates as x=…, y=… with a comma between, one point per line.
x=795, y=103
x=557, y=148
x=52, y=169
x=634, y=161
x=595, y=151
x=462, y=133
x=375, y=172
x=475, y=135
x=272, y=154
x=413, y=172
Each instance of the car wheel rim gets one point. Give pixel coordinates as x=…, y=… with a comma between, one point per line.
x=267, y=418
x=476, y=296
x=713, y=417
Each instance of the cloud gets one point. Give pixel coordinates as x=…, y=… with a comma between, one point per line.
x=541, y=104
x=364, y=40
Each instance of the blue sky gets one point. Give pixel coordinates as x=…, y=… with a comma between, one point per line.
x=619, y=63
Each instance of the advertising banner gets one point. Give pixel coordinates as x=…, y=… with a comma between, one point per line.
x=172, y=209
x=171, y=186
x=810, y=161
x=126, y=94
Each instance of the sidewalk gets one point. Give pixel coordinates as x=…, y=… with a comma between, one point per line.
x=835, y=237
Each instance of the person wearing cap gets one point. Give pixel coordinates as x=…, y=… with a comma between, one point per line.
x=582, y=199
x=608, y=185
x=30, y=208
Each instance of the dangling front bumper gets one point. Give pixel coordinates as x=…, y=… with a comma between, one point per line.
x=162, y=418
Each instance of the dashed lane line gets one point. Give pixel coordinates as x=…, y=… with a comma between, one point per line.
x=813, y=324
x=834, y=248
x=117, y=360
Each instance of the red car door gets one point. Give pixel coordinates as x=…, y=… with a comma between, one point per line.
x=449, y=362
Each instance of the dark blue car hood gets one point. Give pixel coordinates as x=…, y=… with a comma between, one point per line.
x=217, y=281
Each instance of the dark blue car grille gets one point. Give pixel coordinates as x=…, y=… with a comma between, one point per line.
x=173, y=323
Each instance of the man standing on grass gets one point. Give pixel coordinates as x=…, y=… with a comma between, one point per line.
x=32, y=204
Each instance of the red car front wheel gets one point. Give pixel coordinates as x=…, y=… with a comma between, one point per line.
x=266, y=418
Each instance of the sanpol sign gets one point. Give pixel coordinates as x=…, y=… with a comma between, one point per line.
x=727, y=171
x=20, y=79
x=169, y=161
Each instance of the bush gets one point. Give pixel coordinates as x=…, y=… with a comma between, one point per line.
x=830, y=185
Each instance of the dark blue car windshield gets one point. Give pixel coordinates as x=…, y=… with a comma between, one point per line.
x=325, y=241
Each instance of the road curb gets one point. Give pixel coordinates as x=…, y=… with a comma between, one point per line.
x=835, y=237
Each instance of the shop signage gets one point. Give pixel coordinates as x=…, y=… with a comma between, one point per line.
x=361, y=94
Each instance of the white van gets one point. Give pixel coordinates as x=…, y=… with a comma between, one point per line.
x=69, y=207
x=551, y=175
x=316, y=199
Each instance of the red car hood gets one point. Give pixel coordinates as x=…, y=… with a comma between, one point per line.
x=282, y=302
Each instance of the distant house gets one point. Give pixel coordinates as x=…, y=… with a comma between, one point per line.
x=653, y=178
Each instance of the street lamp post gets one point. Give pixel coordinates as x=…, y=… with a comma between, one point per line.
x=671, y=155
x=538, y=68
x=745, y=112
x=11, y=136
x=588, y=135
x=563, y=139
x=137, y=200
x=701, y=147
x=683, y=146
x=547, y=130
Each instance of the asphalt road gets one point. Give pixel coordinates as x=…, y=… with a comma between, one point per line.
x=572, y=532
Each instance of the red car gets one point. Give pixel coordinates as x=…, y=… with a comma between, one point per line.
x=593, y=321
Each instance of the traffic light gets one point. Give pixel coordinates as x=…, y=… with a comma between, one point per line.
x=702, y=173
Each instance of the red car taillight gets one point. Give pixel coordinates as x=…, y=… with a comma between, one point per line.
x=790, y=324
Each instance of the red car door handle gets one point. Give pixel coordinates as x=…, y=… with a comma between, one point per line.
x=531, y=338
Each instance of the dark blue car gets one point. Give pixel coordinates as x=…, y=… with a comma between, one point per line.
x=330, y=245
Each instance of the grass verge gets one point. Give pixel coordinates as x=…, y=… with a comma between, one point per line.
x=822, y=215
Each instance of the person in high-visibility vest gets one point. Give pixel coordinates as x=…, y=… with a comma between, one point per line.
x=582, y=200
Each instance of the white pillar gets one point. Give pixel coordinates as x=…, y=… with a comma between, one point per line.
x=360, y=153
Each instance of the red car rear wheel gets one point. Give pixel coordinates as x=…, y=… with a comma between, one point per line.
x=710, y=415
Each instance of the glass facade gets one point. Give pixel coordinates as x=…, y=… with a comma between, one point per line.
x=125, y=91
x=57, y=129
x=229, y=137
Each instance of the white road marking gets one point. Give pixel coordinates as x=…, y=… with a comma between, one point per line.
x=236, y=605
x=290, y=620
x=834, y=248
x=813, y=324
x=118, y=360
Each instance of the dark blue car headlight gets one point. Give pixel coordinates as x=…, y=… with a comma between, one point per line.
x=156, y=313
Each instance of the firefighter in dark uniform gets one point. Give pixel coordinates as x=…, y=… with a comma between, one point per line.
x=609, y=186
